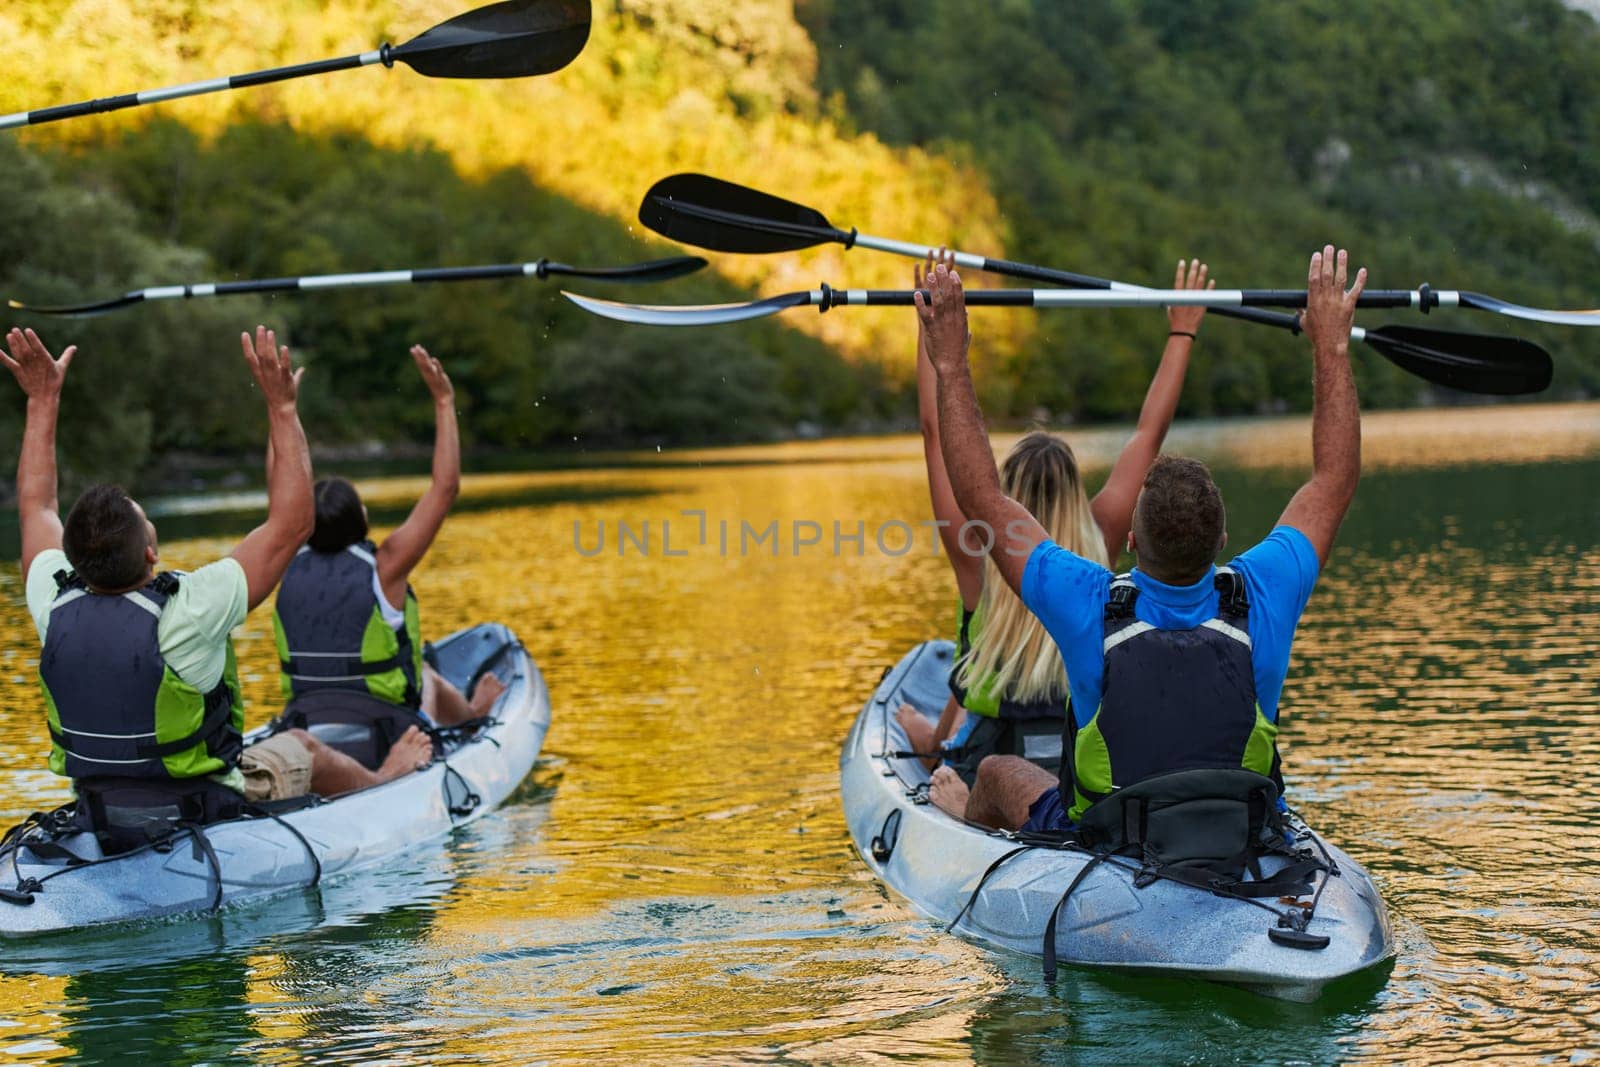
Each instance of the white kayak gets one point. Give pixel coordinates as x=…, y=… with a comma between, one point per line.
x=256, y=857
x=939, y=864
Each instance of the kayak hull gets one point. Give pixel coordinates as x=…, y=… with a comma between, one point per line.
x=936, y=863
x=258, y=857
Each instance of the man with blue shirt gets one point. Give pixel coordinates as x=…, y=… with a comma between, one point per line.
x=1177, y=666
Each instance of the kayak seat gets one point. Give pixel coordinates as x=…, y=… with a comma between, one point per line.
x=130, y=813
x=357, y=724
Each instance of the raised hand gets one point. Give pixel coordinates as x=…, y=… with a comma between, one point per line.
x=39, y=373
x=272, y=368
x=433, y=376
x=1190, y=275
x=921, y=272
x=1330, y=309
x=944, y=319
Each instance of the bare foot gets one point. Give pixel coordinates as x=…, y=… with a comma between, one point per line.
x=412, y=752
x=487, y=692
x=919, y=731
x=948, y=792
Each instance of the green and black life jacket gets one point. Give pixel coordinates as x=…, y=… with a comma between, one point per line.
x=115, y=708
x=1007, y=727
x=1171, y=700
x=331, y=633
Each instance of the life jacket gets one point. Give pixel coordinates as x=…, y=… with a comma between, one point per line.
x=1171, y=700
x=1007, y=727
x=331, y=633
x=113, y=705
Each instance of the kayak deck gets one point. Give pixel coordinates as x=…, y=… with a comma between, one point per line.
x=937, y=862
x=258, y=857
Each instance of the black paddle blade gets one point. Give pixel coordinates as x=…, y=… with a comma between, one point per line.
x=99, y=307
x=710, y=213
x=1470, y=362
x=656, y=270
x=514, y=39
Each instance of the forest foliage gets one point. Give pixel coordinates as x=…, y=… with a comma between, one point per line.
x=1104, y=136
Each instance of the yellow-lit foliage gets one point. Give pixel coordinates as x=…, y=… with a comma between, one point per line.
x=720, y=86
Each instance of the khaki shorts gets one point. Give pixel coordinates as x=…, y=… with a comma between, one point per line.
x=278, y=768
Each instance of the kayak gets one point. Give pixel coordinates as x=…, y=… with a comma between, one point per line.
x=255, y=857
x=959, y=873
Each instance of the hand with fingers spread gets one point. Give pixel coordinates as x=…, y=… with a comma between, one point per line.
x=433, y=376
x=272, y=368
x=1190, y=275
x=944, y=319
x=1330, y=309
x=39, y=373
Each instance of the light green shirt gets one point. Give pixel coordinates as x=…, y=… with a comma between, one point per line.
x=193, y=630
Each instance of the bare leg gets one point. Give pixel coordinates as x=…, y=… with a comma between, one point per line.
x=1005, y=789
x=445, y=704
x=919, y=732
x=948, y=792
x=334, y=773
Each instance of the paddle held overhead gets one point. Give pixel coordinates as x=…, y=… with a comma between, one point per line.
x=711, y=213
x=1476, y=363
x=513, y=39
x=655, y=270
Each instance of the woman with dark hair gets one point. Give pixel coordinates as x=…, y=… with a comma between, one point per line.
x=347, y=626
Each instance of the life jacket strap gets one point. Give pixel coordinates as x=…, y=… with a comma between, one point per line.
x=349, y=666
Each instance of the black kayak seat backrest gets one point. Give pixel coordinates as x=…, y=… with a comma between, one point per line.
x=357, y=724
x=1195, y=817
x=128, y=813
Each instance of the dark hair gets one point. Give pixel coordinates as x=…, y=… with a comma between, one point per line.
x=105, y=537
x=341, y=520
x=1179, y=522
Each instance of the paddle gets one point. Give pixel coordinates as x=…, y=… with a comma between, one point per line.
x=656, y=270
x=1477, y=363
x=725, y=217
x=514, y=39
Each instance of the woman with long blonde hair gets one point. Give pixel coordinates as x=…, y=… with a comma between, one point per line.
x=1008, y=687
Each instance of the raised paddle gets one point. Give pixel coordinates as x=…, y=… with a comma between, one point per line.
x=711, y=213
x=515, y=39
x=1476, y=363
x=656, y=270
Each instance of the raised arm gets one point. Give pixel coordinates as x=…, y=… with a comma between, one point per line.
x=968, y=456
x=402, y=550
x=265, y=552
x=1320, y=506
x=967, y=566
x=41, y=377
x=1113, y=505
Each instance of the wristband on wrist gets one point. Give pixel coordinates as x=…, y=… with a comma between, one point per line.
x=1181, y=333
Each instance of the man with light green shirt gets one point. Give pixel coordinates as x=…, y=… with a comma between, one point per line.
x=140, y=682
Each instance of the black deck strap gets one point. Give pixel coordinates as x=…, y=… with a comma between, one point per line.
x=883, y=844
x=468, y=804
x=311, y=853
x=1055, y=913
x=202, y=847
x=973, y=899
x=209, y=725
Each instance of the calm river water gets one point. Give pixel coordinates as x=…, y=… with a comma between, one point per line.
x=675, y=881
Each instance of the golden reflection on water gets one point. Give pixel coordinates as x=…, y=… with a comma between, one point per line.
x=679, y=883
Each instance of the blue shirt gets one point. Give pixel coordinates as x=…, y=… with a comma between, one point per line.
x=1069, y=593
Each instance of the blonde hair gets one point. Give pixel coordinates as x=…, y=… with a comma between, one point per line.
x=1012, y=656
